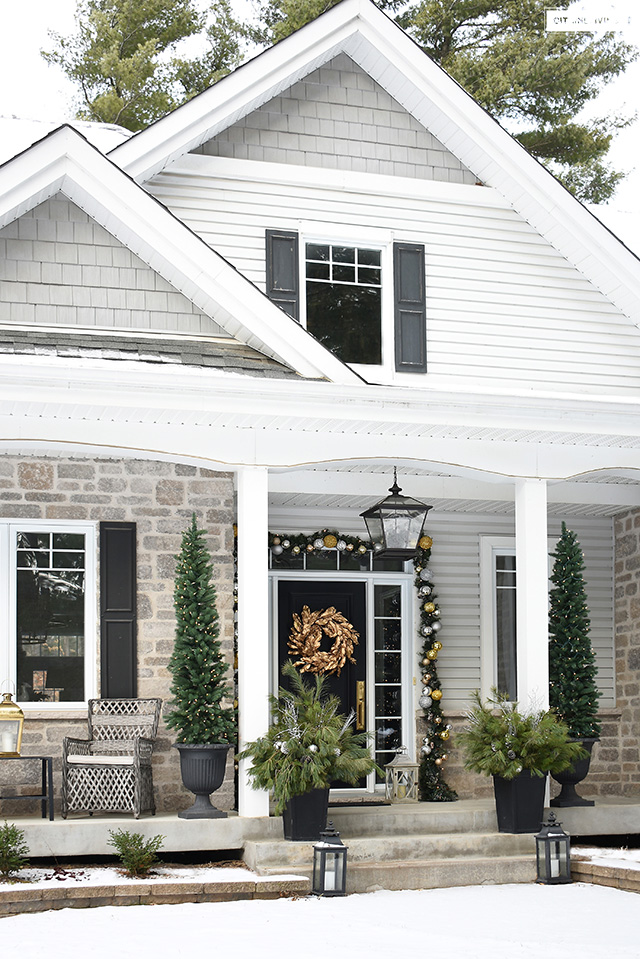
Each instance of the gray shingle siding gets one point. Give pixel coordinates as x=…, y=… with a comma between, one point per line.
x=60, y=268
x=339, y=118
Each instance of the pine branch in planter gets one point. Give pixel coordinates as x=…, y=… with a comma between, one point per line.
x=199, y=687
x=309, y=743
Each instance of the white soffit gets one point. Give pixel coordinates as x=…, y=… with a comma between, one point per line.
x=382, y=49
x=65, y=162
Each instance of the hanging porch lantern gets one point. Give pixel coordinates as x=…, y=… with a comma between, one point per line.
x=401, y=778
x=11, y=723
x=329, y=864
x=553, y=853
x=395, y=523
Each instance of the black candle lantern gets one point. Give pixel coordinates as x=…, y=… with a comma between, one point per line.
x=329, y=864
x=395, y=523
x=553, y=853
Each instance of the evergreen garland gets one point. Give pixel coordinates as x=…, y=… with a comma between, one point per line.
x=572, y=668
x=434, y=751
x=197, y=666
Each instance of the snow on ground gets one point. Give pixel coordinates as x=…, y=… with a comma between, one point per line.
x=602, y=856
x=473, y=922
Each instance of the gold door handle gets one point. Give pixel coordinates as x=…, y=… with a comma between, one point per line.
x=360, y=701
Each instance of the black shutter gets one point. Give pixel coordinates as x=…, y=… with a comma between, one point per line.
x=282, y=270
x=410, y=311
x=118, y=667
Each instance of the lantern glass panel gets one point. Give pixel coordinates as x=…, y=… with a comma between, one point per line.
x=9, y=736
x=329, y=869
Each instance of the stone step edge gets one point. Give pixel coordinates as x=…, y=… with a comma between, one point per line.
x=397, y=864
x=618, y=877
x=38, y=899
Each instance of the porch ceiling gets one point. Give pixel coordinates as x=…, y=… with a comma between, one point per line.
x=340, y=492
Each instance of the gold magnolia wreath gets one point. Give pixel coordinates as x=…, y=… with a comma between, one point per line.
x=307, y=633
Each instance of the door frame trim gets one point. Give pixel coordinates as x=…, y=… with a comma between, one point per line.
x=408, y=633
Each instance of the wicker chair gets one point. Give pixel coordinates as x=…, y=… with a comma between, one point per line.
x=111, y=770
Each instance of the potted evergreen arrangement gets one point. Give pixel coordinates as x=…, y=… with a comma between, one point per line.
x=205, y=726
x=518, y=750
x=572, y=668
x=308, y=746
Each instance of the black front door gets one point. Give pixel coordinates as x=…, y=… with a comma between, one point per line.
x=348, y=599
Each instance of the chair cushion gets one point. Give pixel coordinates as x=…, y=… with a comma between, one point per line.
x=100, y=760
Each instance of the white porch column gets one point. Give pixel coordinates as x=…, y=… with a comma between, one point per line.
x=532, y=571
x=253, y=626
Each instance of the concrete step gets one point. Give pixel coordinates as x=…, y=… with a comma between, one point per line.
x=431, y=873
x=430, y=818
x=261, y=855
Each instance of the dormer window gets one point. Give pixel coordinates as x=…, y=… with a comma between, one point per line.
x=364, y=304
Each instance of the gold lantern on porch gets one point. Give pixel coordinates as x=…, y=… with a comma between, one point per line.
x=401, y=778
x=11, y=723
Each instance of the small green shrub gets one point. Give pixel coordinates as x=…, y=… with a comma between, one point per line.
x=136, y=854
x=13, y=851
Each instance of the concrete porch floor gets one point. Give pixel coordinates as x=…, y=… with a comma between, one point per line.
x=89, y=835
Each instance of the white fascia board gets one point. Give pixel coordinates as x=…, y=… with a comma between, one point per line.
x=247, y=88
x=499, y=160
x=375, y=409
x=66, y=162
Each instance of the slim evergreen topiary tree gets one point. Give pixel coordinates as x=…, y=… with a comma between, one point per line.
x=572, y=668
x=197, y=666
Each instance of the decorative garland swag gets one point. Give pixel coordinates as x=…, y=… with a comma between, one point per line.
x=307, y=634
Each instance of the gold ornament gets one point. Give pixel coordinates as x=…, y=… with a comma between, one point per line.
x=309, y=547
x=438, y=761
x=432, y=654
x=362, y=548
x=350, y=546
x=444, y=734
x=429, y=607
x=295, y=550
x=436, y=694
x=276, y=540
x=426, y=678
x=437, y=645
x=330, y=541
x=306, y=635
x=425, y=542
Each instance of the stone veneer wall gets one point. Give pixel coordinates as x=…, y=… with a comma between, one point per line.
x=160, y=498
x=627, y=627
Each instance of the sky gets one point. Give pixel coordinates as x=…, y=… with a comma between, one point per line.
x=527, y=921
x=31, y=89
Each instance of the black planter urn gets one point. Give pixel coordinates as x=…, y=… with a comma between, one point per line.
x=202, y=768
x=305, y=816
x=520, y=802
x=571, y=776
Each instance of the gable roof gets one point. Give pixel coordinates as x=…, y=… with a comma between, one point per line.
x=396, y=62
x=65, y=162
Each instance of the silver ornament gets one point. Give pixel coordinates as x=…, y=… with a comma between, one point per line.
x=436, y=627
x=426, y=575
x=426, y=630
x=436, y=614
x=341, y=545
x=424, y=591
x=426, y=750
x=276, y=550
x=425, y=702
x=318, y=543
